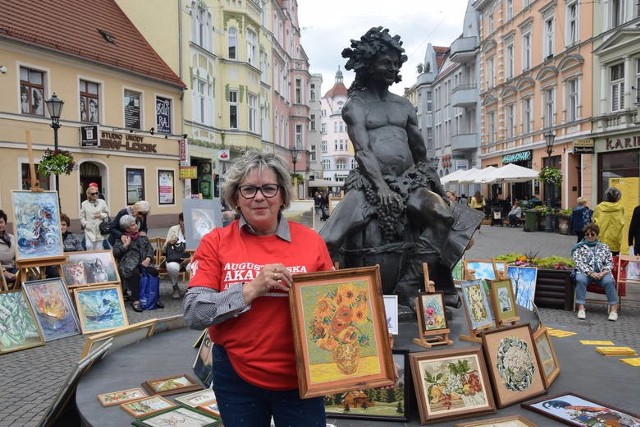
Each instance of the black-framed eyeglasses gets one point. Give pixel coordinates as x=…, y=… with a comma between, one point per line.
x=267, y=190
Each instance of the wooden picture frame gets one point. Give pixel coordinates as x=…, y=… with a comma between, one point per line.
x=302, y=212
x=356, y=352
x=391, y=404
x=566, y=407
x=121, y=396
x=179, y=415
x=500, y=268
x=53, y=308
x=503, y=302
x=512, y=359
x=147, y=406
x=442, y=395
x=479, y=269
x=391, y=313
x=200, y=217
x=457, y=272
x=523, y=280
x=121, y=336
x=173, y=384
x=203, y=365
x=431, y=314
x=197, y=398
x=100, y=308
x=476, y=307
x=37, y=225
x=546, y=355
x=20, y=327
x=508, y=421
x=90, y=268
x=210, y=408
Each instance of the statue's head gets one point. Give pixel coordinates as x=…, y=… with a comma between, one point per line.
x=363, y=52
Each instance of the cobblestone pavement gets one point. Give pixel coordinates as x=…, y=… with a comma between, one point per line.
x=32, y=378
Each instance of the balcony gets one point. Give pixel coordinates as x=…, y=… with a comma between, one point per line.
x=465, y=96
x=464, y=142
x=464, y=49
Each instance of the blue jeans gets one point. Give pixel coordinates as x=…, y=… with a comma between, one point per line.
x=245, y=405
x=607, y=282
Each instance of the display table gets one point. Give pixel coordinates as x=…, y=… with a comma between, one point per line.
x=582, y=371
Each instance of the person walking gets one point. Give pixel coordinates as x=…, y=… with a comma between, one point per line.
x=478, y=203
x=609, y=215
x=634, y=231
x=580, y=216
x=92, y=212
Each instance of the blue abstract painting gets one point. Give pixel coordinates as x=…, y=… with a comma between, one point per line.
x=523, y=280
x=37, y=217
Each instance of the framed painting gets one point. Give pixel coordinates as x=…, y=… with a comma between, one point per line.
x=20, y=329
x=513, y=364
x=197, y=398
x=340, y=331
x=200, y=217
x=576, y=410
x=478, y=269
x=431, y=313
x=147, y=406
x=210, y=408
x=90, y=268
x=37, y=225
x=458, y=271
x=203, y=365
x=500, y=267
x=171, y=385
x=54, y=310
x=100, y=308
x=503, y=301
x=391, y=313
x=450, y=384
x=121, y=337
x=523, y=280
x=476, y=304
x=178, y=416
x=121, y=396
x=547, y=356
x=376, y=404
x=510, y=421
x=301, y=211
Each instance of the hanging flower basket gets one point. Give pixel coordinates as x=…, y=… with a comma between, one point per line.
x=56, y=162
x=550, y=175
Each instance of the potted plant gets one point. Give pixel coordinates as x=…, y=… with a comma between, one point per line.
x=564, y=216
x=550, y=175
x=56, y=162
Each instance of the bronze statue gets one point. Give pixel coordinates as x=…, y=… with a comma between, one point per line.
x=394, y=212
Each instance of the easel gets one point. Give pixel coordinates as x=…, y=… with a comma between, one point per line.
x=427, y=338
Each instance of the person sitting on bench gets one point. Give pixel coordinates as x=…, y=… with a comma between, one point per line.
x=514, y=214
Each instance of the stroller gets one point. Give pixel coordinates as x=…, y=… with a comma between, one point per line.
x=496, y=216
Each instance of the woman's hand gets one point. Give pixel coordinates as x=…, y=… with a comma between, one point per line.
x=271, y=277
x=126, y=240
x=146, y=262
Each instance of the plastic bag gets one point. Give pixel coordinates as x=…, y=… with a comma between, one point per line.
x=149, y=289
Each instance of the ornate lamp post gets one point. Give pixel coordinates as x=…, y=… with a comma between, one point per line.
x=549, y=138
x=54, y=107
x=294, y=159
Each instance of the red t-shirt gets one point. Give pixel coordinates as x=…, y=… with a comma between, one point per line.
x=260, y=341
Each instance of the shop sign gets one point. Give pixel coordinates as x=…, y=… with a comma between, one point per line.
x=188, y=172
x=127, y=142
x=584, y=146
x=89, y=136
x=224, y=155
x=182, y=147
x=522, y=156
x=622, y=143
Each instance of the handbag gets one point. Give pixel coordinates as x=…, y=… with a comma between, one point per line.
x=175, y=253
x=106, y=226
x=149, y=293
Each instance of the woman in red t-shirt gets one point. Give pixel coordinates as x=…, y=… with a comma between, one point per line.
x=241, y=275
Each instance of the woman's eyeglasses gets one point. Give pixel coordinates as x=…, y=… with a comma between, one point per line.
x=93, y=194
x=590, y=233
x=267, y=190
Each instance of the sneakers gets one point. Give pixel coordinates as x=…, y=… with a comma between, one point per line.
x=582, y=314
x=613, y=316
x=176, y=292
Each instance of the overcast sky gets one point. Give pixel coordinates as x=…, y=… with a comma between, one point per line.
x=328, y=26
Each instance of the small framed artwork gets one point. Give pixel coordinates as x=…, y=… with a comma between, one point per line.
x=197, y=398
x=203, y=365
x=121, y=396
x=171, y=385
x=301, y=211
x=547, y=355
x=210, y=408
x=503, y=301
x=458, y=271
x=100, y=308
x=451, y=384
x=510, y=421
x=391, y=313
x=478, y=269
x=375, y=404
x=523, y=280
x=90, y=268
x=147, y=406
x=500, y=267
x=53, y=308
x=513, y=364
x=178, y=416
x=576, y=410
x=431, y=313
x=20, y=329
x=37, y=225
x=476, y=304
x=340, y=332
x=121, y=337
x=201, y=216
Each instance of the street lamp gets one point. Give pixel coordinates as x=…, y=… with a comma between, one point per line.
x=54, y=107
x=549, y=138
x=294, y=159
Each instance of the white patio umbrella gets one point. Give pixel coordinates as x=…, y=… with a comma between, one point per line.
x=509, y=173
x=475, y=176
x=452, y=176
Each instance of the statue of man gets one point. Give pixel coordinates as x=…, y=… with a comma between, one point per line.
x=395, y=203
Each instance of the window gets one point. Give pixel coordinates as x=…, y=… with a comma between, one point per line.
x=44, y=182
x=548, y=37
x=637, y=81
x=326, y=164
x=617, y=12
x=341, y=165
x=263, y=65
x=429, y=101
x=132, y=110
x=163, y=115
x=617, y=87
x=341, y=126
x=201, y=23
x=324, y=146
x=492, y=128
x=527, y=109
x=490, y=73
x=323, y=129
x=508, y=59
x=253, y=104
x=526, y=50
x=299, y=136
x=298, y=90
x=509, y=7
x=31, y=92
x=313, y=92
x=572, y=101
x=135, y=185
x=233, y=42
x=89, y=105
x=233, y=109
x=490, y=24
x=312, y=123
x=203, y=101
x=251, y=47
x=509, y=113
x=572, y=23
x=549, y=107
x=312, y=153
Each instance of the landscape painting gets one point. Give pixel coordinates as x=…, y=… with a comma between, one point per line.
x=523, y=280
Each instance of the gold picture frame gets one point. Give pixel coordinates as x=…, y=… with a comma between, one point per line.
x=147, y=406
x=173, y=384
x=340, y=331
x=121, y=396
x=100, y=308
x=503, y=302
x=546, y=356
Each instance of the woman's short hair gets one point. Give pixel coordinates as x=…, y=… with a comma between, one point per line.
x=3, y=215
x=249, y=162
x=592, y=226
x=142, y=206
x=582, y=200
x=127, y=221
x=65, y=218
x=612, y=194
x=91, y=189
